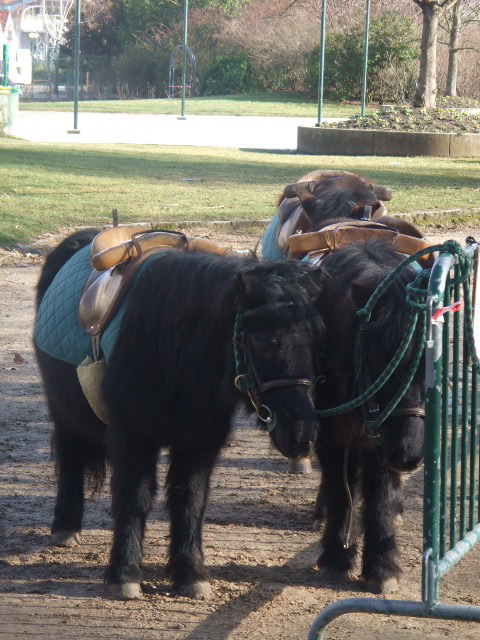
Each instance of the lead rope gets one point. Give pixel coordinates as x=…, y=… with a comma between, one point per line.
x=346, y=543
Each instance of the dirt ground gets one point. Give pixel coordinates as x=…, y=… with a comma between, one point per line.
x=259, y=543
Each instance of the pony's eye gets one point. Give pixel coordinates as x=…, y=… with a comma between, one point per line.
x=264, y=343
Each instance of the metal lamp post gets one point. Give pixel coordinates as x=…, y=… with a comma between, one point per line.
x=365, y=59
x=76, y=68
x=184, y=59
x=321, y=67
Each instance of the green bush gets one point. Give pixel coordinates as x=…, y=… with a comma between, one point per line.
x=391, y=42
x=227, y=74
x=141, y=72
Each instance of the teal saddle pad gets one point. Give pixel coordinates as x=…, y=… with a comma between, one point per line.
x=58, y=331
x=270, y=249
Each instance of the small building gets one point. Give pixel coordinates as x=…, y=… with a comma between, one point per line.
x=23, y=28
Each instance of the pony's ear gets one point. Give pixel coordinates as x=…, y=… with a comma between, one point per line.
x=313, y=281
x=248, y=284
x=382, y=193
x=303, y=191
x=360, y=293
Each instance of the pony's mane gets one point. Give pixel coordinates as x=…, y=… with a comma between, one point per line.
x=369, y=263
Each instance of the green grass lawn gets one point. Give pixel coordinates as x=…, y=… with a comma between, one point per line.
x=45, y=187
x=259, y=104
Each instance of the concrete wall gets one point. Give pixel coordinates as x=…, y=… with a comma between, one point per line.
x=372, y=142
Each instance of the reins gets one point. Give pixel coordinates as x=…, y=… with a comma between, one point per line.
x=247, y=380
x=416, y=331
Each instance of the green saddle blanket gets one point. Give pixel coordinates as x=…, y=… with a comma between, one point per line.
x=58, y=331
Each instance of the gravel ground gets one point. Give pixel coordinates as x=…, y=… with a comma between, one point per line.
x=259, y=545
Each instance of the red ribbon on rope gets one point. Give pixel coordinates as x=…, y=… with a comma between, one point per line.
x=438, y=315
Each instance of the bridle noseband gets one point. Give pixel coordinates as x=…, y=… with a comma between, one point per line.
x=247, y=380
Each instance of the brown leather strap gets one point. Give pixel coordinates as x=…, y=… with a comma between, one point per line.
x=336, y=236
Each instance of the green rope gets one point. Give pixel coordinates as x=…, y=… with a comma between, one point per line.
x=416, y=300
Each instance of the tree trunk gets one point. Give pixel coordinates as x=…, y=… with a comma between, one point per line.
x=426, y=94
x=451, y=88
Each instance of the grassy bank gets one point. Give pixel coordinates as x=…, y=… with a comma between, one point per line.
x=45, y=187
x=260, y=104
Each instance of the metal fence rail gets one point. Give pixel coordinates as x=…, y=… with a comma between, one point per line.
x=451, y=511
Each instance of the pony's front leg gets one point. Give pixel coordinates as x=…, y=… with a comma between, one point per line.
x=188, y=482
x=382, y=502
x=338, y=547
x=134, y=464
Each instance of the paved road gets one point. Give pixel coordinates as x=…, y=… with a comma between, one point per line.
x=244, y=132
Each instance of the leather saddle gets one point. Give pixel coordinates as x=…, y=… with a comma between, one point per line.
x=292, y=219
x=116, y=256
x=317, y=244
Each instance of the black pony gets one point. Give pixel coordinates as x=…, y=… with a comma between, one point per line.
x=170, y=383
x=352, y=461
x=359, y=466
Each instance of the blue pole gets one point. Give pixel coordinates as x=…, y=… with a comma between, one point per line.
x=321, y=66
x=365, y=58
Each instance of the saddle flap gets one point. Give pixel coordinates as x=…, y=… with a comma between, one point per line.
x=296, y=221
x=99, y=296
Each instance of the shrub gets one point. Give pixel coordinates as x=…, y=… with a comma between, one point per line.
x=391, y=45
x=228, y=73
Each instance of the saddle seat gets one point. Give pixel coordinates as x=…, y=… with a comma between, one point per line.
x=317, y=244
x=116, y=257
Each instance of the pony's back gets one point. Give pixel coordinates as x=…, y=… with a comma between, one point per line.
x=60, y=255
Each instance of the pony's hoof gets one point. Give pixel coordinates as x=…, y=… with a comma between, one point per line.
x=65, y=538
x=124, y=590
x=390, y=585
x=196, y=590
x=300, y=465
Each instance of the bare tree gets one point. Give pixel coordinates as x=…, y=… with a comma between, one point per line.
x=456, y=22
x=453, y=48
x=426, y=94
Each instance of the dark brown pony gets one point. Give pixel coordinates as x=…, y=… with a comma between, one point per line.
x=318, y=196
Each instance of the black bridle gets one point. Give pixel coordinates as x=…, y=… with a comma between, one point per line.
x=247, y=379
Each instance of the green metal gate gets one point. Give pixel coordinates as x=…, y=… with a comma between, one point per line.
x=451, y=511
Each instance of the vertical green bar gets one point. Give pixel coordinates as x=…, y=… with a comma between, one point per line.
x=365, y=59
x=6, y=64
x=321, y=64
x=445, y=425
x=473, y=450
x=76, y=67
x=455, y=416
x=431, y=509
x=464, y=438
x=184, y=59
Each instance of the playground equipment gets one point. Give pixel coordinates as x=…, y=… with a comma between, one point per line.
x=174, y=89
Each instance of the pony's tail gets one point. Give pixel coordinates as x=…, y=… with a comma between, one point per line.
x=59, y=256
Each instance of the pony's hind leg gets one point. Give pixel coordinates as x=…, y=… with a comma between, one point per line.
x=134, y=484
x=77, y=461
x=382, y=503
x=188, y=483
